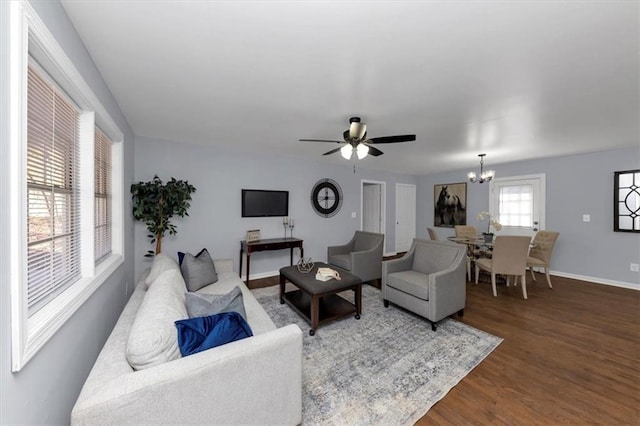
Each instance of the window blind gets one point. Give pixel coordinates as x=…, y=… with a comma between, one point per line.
x=53, y=206
x=103, y=225
x=516, y=206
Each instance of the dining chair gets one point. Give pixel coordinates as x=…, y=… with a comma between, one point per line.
x=509, y=258
x=470, y=232
x=433, y=235
x=540, y=252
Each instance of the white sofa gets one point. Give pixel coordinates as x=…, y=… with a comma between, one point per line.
x=256, y=380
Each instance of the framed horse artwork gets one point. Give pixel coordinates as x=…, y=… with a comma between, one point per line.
x=450, y=204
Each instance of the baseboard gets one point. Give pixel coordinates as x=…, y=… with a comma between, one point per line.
x=261, y=275
x=597, y=280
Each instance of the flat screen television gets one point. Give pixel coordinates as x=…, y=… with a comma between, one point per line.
x=264, y=203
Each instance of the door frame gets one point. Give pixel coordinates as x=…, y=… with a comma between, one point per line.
x=415, y=215
x=383, y=202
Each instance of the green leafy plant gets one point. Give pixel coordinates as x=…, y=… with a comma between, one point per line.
x=155, y=203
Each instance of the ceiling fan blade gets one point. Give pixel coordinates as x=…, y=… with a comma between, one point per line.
x=393, y=139
x=332, y=151
x=374, y=151
x=319, y=140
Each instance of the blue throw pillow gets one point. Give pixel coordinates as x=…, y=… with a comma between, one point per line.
x=202, y=333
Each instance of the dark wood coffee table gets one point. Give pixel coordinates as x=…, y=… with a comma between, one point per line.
x=317, y=301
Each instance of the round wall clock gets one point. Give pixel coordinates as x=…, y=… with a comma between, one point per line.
x=326, y=197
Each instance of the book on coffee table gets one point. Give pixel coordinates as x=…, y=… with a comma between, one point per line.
x=326, y=274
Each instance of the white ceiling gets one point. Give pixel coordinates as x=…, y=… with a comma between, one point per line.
x=516, y=80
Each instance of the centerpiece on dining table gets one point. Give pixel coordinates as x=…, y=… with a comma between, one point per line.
x=488, y=236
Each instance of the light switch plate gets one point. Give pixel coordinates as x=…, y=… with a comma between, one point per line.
x=353, y=215
x=586, y=218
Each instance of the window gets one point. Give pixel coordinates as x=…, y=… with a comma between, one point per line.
x=66, y=178
x=102, y=170
x=516, y=206
x=53, y=247
x=517, y=203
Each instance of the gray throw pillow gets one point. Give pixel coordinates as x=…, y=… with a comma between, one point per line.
x=204, y=305
x=198, y=271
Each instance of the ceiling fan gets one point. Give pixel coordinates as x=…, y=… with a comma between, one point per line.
x=355, y=139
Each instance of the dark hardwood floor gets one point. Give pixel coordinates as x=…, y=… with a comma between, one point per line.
x=570, y=355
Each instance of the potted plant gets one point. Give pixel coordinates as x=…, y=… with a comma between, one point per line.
x=488, y=236
x=156, y=202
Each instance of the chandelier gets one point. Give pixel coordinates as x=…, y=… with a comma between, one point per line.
x=485, y=176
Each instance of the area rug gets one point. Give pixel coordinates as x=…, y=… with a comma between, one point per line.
x=388, y=368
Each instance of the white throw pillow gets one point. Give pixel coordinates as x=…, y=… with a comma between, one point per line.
x=153, y=338
x=160, y=264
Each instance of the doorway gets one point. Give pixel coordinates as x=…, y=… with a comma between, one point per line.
x=372, y=206
x=518, y=203
x=405, y=216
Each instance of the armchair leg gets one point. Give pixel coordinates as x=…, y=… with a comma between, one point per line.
x=524, y=285
x=533, y=275
x=461, y=313
x=385, y=302
x=434, y=326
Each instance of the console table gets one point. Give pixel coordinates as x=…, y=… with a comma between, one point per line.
x=267, y=245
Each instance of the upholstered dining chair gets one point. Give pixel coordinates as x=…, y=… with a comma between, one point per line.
x=509, y=258
x=470, y=232
x=433, y=235
x=540, y=253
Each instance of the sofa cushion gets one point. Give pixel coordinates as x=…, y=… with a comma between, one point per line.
x=411, y=282
x=202, y=333
x=203, y=305
x=153, y=338
x=341, y=261
x=160, y=264
x=199, y=270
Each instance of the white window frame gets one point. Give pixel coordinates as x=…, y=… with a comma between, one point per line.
x=30, y=36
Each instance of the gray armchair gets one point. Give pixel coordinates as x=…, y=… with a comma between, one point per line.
x=428, y=280
x=362, y=256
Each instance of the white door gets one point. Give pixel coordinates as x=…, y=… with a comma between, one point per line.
x=405, y=216
x=518, y=203
x=372, y=207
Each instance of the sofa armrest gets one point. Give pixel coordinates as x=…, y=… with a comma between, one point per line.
x=257, y=380
x=448, y=288
x=367, y=264
x=223, y=265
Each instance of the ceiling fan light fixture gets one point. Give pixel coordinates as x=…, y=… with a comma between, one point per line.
x=362, y=151
x=346, y=151
x=357, y=130
x=485, y=176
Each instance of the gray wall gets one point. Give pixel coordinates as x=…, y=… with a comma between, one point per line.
x=44, y=391
x=576, y=185
x=215, y=220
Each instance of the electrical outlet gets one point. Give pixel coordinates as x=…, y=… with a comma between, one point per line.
x=353, y=215
x=586, y=218
x=634, y=267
